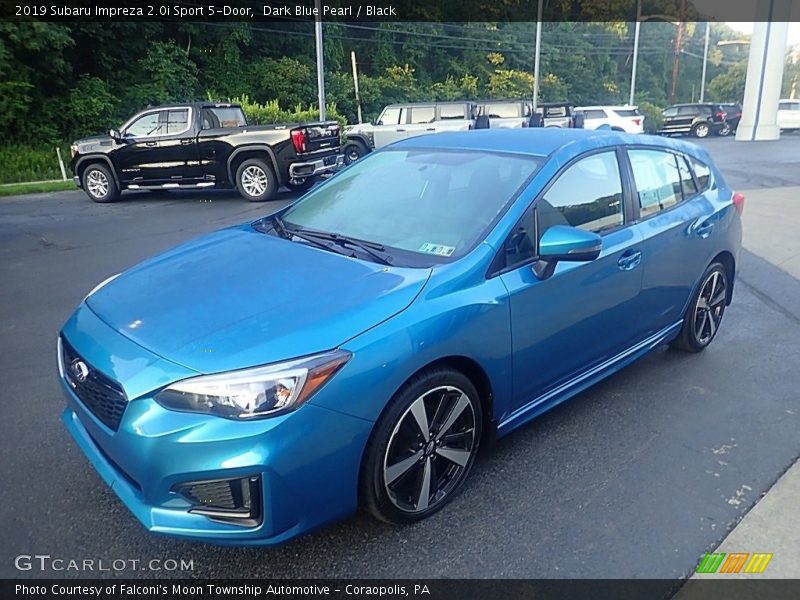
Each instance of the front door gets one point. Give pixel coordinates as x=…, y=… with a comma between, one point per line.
x=585, y=313
x=138, y=159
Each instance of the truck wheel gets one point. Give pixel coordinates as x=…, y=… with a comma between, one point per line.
x=301, y=185
x=353, y=150
x=256, y=181
x=99, y=183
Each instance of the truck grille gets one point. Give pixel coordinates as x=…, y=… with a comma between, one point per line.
x=101, y=395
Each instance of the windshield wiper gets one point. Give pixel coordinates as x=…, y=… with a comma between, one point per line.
x=280, y=227
x=375, y=250
x=289, y=233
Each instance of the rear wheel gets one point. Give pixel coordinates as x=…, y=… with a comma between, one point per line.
x=256, y=180
x=99, y=184
x=701, y=130
x=422, y=448
x=725, y=130
x=704, y=315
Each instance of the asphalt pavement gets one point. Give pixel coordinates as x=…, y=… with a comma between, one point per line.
x=636, y=477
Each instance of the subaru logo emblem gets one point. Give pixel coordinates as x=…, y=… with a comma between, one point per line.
x=80, y=371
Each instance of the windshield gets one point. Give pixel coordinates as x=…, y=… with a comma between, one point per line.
x=433, y=202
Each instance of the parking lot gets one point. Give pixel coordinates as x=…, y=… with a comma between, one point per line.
x=636, y=477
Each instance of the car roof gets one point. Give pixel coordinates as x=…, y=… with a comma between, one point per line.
x=611, y=106
x=206, y=104
x=538, y=141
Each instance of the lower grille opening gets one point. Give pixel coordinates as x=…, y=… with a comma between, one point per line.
x=236, y=501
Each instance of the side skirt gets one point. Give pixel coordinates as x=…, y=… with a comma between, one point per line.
x=583, y=381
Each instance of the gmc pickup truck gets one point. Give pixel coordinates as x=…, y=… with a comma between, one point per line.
x=204, y=145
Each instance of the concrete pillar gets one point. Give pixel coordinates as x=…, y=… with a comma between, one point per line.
x=765, y=71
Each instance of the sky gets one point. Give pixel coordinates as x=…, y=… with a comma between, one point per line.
x=793, y=37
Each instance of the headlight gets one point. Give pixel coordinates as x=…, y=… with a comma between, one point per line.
x=251, y=393
x=102, y=283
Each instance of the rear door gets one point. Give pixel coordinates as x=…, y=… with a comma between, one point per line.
x=677, y=220
x=585, y=313
x=686, y=117
x=422, y=120
x=506, y=115
x=179, y=156
x=452, y=117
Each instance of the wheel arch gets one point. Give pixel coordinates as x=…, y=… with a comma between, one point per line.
x=727, y=261
x=240, y=155
x=86, y=161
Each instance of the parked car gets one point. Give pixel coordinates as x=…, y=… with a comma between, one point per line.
x=789, y=115
x=699, y=120
x=506, y=114
x=733, y=114
x=618, y=118
x=359, y=345
x=400, y=121
x=204, y=145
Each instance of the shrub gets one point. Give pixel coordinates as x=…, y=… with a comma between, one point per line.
x=22, y=163
x=653, y=119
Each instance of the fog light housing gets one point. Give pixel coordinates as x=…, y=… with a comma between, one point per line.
x=233, y=500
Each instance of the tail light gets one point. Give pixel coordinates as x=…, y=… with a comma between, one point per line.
x=720, y=115
x=637, y=121
x=738, y=202
x=299, y=140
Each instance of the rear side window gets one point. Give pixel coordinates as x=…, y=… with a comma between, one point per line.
x=595, y=114
x=502, y=110
x=658, y=183
x=688, y=110
x=422, y=114
x=702, y=173
x=587, y=195
x=223, y=116
x=670, y=112
x=627, y=112
x=177, y=121
x=452, y=111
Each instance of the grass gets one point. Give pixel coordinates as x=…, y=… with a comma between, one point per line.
x=20, y=163
x=16, y=189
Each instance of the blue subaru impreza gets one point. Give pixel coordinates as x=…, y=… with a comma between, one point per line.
x=358, y=346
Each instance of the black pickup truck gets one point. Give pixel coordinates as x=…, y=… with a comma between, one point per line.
x=204, y=145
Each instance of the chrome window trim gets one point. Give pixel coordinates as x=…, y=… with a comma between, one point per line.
x=136, y=117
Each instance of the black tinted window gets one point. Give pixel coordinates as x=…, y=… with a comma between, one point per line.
x=687, y=182
x=595, y=114
x=587, y=195
x=223, y=116
x=521, y=244
x=657, y=180
x=671, y=112
x=687, y=110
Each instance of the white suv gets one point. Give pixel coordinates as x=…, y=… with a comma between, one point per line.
x=618, y=118
x=789, y=115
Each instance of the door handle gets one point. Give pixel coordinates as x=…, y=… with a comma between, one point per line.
x=701, y=227
x=151, y=144
x=400, y=130
x=186, y=141
x=431, y=129
x=629, y=260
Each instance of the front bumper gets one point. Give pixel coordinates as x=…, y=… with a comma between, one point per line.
x=77, y=181
x=301, y=170
x=306, y=462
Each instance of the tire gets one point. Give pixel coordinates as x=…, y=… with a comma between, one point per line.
x=399, y=450
x=256, y=180
x=301, y=185
x=353, y=150
x=725, y=130
x=704, y=315
x=701, y=130
x=99, y=184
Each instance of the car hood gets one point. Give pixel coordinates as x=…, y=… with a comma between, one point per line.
x=238, y=298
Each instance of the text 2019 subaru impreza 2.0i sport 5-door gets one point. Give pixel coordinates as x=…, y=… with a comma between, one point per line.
x=358, y=346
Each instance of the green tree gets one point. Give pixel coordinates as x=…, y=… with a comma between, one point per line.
x=91, y=107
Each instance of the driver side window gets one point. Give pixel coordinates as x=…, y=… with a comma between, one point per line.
x=146, y=125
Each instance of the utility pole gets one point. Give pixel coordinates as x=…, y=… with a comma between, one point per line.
x=320, y=65
x=635, y=49
x=537, y=54
x=705, y=63
x=355, y=84
x=678, y=47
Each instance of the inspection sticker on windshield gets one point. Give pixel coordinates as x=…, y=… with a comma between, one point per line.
x=438, y=249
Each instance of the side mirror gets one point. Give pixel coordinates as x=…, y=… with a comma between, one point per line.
x=562, y=242
x=115, y=135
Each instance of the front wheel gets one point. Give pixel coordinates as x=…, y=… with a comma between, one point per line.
x=422, y=448
x=704, y=315
x=354, y=150
x=256, y=181
x=701, y=130
x=99, y=184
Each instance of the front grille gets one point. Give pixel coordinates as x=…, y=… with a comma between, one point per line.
x=101, y=395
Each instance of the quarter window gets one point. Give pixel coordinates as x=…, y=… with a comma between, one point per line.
x=177, y=121
x=658, y=182
x=687, y=182
x=451, y=111
x=595, y=114
x=502, y=110
x=587, y=195
x=145, y=125
x=702, y=173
